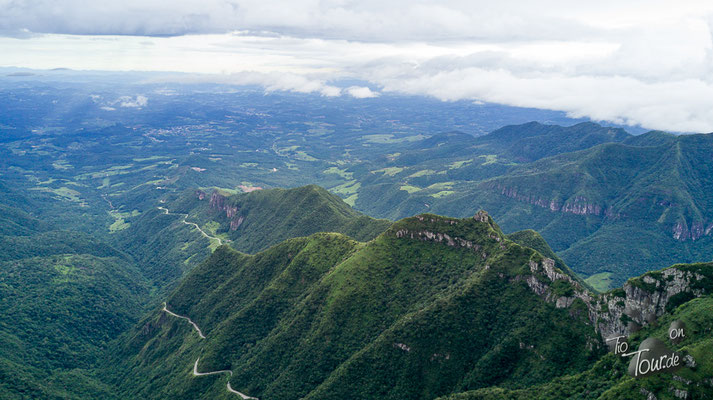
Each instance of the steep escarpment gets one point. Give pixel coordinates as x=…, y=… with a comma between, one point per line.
x=644, y=299
x=608, y=378
x=218, y=202
x=640, y=302
x=659, y=182
x=578, y=205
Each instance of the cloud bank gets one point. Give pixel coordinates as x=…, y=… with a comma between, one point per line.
x=646, y=63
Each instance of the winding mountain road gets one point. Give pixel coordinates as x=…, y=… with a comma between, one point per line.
x=196, y=373
x=187, y=319
x=195, y=365
x=166, y=212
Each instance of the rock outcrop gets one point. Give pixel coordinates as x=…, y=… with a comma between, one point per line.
x=221, y=204
x=578, y=205
x=698, y=229
x=429, y=232
x=642, y=300
x=619, y=312
x=682, y=230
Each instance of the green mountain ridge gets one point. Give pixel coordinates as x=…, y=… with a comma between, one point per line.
x=432, y=304
x=66, y=295
x=251, y=219
x=611, y=206
x=166, y=247
x=533, y=141
x=96, y=180
x=351, y=293
x=105, y=215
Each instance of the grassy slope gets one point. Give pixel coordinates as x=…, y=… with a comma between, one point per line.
x=163, y=247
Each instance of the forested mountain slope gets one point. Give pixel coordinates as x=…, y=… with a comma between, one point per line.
x=433, y=306
x=63, y=297
x=166, y=244
x=431, y=303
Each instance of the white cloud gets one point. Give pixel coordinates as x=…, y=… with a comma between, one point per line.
x=647, y=62
x=123, y=101
x=362, y=20
x=682, y=106
x=132, y=102
x=361, y=92
x=271, y=81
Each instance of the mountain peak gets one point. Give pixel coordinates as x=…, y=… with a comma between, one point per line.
x=472, y=233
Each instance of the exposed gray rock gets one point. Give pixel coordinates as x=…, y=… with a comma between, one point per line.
x=220, y=203
x=437, y=237
x=679, y=393
x=649, y=395
x=690, y=362
x=640, y=304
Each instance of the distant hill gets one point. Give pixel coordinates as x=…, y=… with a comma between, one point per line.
x=517, y=143
x=257, y=220
x=652, y=138
x=446, y=167
x=533, y=141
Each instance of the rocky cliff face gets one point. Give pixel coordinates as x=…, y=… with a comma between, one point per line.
x=220, y=203
x=431, y=235
x=683, y=230
x=644, y=299
x=697, y=229
x=439, y=237
x=545, y=276
x=578, y=205
x=619, y=312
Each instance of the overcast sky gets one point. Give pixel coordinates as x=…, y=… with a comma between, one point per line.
x=633, y=62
